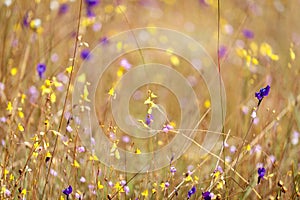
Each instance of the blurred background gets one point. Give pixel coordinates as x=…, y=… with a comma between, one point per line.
x=258, y=46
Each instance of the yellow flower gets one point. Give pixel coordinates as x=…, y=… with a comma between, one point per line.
x=99, y=185
x=292, y=54
x=111, y=92
x=13, y=71
x=76, y=164
x=20, y=127
x=174, y=60
x=145, y=193
x=69, y=69
x=119, y=187
x=53, y=98
x=24, y=191
x=138, y=151
x=9, y=107
x=93, y=158
x=188, y=178
x=207, y=103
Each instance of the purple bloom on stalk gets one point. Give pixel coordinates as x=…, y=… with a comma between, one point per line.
x=222, y=51
x=126, y=189
x=261, y=173
x=173, y=170
x=68, y=190
x=104, y=40
x=26, y=19
x=191, y=192
x=92, y=3
x=63, y=8
x=89, y=5
x=89, y=12
x=41, y=68
x=263, y=92
x=207, y=195
x=248, y=33
x=149, y=119
x=85, y=54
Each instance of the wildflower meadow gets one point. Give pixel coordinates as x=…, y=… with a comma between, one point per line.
x=149, y=99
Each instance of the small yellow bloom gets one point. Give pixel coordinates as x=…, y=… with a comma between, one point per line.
x=274, y=57
x=13, y=71
x=6, y=171
x=93, y=158
x=207, y=103
x=9, y=107
x=145, y=193
x=188, y=178
x=20, y=127
x=119, y=46
x=24, y=191
x=248, y=147
x=23, y=97
x=11, y=177
x=76, y=164
x=254, y=61
x=138, y=151
x=48, y=154
x=174, y=60
x=120, y=71
x=111, y=92
x=163, y=186
x=53, y=98
x=119, y=187
x=292, y=54
x=99, y=185
x=69, y=69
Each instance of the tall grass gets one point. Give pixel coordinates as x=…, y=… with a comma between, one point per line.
x=41, y=150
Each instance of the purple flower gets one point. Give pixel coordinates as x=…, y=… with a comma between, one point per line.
x=63, y=8
x=222, y=51
x=89, y=5
x=26, y=19
x=219, y=168
x=149, y=119
x=85, y=54
x=167, y=184
x=191, y=192
x=207, y=195
x=173, y=170
x=68, y=190
x=167, y=128
x=92, y=3
x=81, y=149
x=104, y=40
x=261, y=173
x=89, y=12
x=248, y=33
x=126, y=189
x=262, y=93
x=41, y=68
